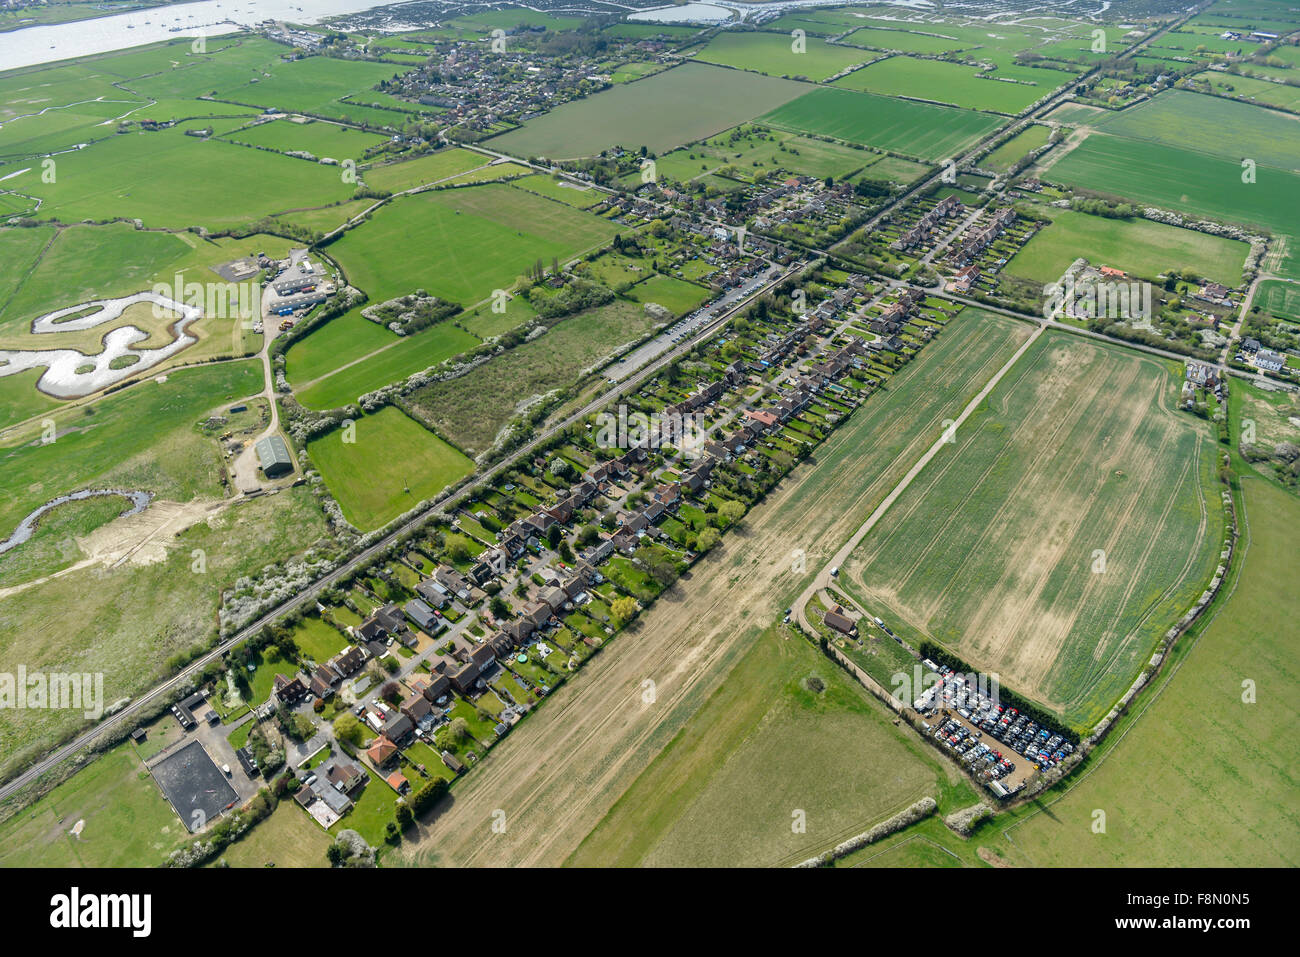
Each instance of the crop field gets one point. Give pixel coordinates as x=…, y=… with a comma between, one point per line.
x=661, y=112
x=1075, y=460
x=1140, y=247
x=396, y=177
x=923, y=130
x=773, y=53
x=1211, y=124
x=952, y=83
x=1010, y=152
x=1224, y=790
x=472, y=409
x=461, y=244
x=125, y=820
x=168, y=179
x=1279, y=299
x=765, y=743
x=1183, y=181
x=393, y=465
x=320, y=138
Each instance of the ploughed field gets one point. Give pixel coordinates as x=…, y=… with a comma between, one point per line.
x=1064, y=531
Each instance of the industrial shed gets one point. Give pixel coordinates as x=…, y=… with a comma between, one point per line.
x=273, y=456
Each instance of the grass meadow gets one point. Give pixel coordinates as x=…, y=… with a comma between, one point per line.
x=1140, y=247
x=774, y=54
x=127, y=821
x=394, y=464
x=128, y=619
x=461, y=244
x=765, y=743
x=472, y=409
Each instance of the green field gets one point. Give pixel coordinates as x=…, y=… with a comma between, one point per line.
x=994, y=550
x=1182, y=180
x=407, y=174
x=471, y=241
x=128, y=823
x=1140, y=247
x=953, y=83
x=923, y=130
x=402, y=358
x=1221, y=768
x=319, y=138
x=660, y=112
x=1211, y=124
x=1009, y=153
x=722, y=793
x=673, y=294
x=393, y=465
x=1279, y=299
x=105, y=446
x=749, y=152
x=773, y=53
x=288, y=838
x=204, y=182
x=1256, y=90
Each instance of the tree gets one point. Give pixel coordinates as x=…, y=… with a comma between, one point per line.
x=623, y=609
x=459, y=728
x=663, y=570
x=499, y=607
x=348, y=728
x=707, y=538
x=391, y=692
x=731, y=511
x=554, y=535
x=336, y=853
x=566, y=552
x=457, y=550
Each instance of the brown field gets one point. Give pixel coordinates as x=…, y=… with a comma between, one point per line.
x=994, y=551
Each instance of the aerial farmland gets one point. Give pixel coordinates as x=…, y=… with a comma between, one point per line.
x=790, y=435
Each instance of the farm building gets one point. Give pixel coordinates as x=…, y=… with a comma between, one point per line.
x=273, y=456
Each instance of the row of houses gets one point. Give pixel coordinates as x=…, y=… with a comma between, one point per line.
x=949, y=206
x=981, y=239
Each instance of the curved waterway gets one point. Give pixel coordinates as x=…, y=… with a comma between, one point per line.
x=27, y=527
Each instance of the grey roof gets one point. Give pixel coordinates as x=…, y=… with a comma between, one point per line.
x=273, y=454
